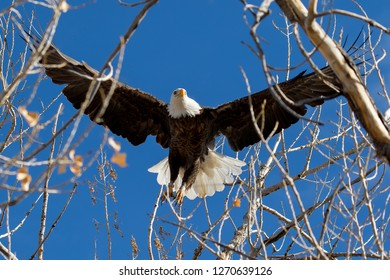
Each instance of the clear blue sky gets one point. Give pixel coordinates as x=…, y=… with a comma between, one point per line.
x=192, y=44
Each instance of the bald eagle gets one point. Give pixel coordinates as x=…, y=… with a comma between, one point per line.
x=192, y=168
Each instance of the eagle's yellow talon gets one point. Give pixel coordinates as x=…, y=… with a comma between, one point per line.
x=168, y=193
x=180, y=196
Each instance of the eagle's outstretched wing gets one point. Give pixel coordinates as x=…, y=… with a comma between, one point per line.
x=130, y=113
x=234, y=119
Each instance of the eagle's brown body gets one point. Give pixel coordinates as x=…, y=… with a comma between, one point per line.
x=190, y=141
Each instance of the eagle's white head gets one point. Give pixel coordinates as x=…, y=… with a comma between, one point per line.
x=182, y=106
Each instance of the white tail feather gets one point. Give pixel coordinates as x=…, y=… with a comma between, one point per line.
x=216, y=171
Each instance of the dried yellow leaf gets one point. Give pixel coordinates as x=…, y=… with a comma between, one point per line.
x=114, y=144
x=71, y=154
x=237, y=202
x=22, y=173
x=78, y=160
x=24, y=178
x=26, y=183
x=64, y=6
x=31, y=117
x=75, y=169
x=119, y=159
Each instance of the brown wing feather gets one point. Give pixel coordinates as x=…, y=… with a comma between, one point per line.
x=131, y=113
x=234, y=120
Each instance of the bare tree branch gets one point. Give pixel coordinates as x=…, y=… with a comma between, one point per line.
x=353, y=87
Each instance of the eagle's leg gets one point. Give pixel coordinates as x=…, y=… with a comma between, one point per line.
x=169, y=192
x=174, y=168
x=171, y=185
x=188, y=180
x=180, y=194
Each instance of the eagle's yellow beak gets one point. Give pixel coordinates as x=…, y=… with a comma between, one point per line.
x=182, y=92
